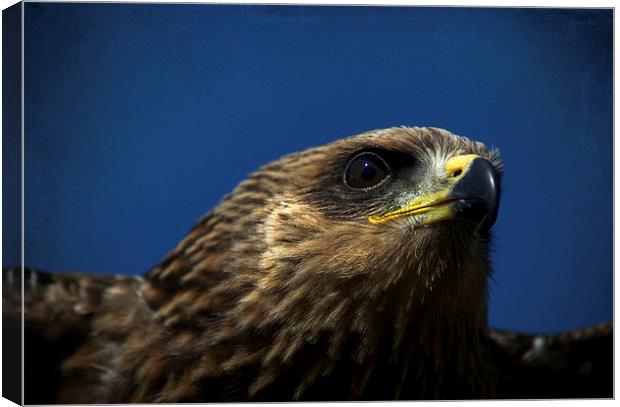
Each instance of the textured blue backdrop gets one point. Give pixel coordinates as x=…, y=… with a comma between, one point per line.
x=140, y=117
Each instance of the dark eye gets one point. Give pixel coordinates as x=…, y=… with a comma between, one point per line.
x=365, y=170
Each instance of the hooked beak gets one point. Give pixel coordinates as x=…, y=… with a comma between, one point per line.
x=473, y=195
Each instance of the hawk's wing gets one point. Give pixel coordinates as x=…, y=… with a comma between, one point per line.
x=59, y=310
x=571, y=365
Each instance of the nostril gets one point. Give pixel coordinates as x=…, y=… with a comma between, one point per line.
x=457, y=173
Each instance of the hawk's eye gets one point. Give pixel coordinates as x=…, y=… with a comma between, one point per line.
x=365, y=170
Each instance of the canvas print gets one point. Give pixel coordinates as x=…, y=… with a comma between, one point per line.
x=212, y=203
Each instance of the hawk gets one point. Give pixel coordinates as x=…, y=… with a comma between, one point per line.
x=357, y=270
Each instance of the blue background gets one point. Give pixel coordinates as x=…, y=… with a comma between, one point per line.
x=140, y=117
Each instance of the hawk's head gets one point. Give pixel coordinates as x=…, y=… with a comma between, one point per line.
x=376, y=244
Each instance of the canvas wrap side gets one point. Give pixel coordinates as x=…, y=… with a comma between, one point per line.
x=12, y=192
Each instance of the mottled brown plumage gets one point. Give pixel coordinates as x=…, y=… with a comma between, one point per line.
x=286, y=291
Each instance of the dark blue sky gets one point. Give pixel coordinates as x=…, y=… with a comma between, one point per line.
x=140, y=117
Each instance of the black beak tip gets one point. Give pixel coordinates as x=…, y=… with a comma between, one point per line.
x=477, y=194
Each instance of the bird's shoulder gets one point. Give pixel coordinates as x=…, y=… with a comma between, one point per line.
x=572, y=364
x=71, y=322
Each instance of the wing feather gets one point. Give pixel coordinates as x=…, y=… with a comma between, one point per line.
x=575, y=364
x=60, y=310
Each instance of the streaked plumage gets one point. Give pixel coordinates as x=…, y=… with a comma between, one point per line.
x=287, y=290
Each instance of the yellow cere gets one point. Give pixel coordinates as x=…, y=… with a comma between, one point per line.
x=459, y=163
x=435, y=204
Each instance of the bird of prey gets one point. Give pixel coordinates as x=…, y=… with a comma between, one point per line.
x=357, y=270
